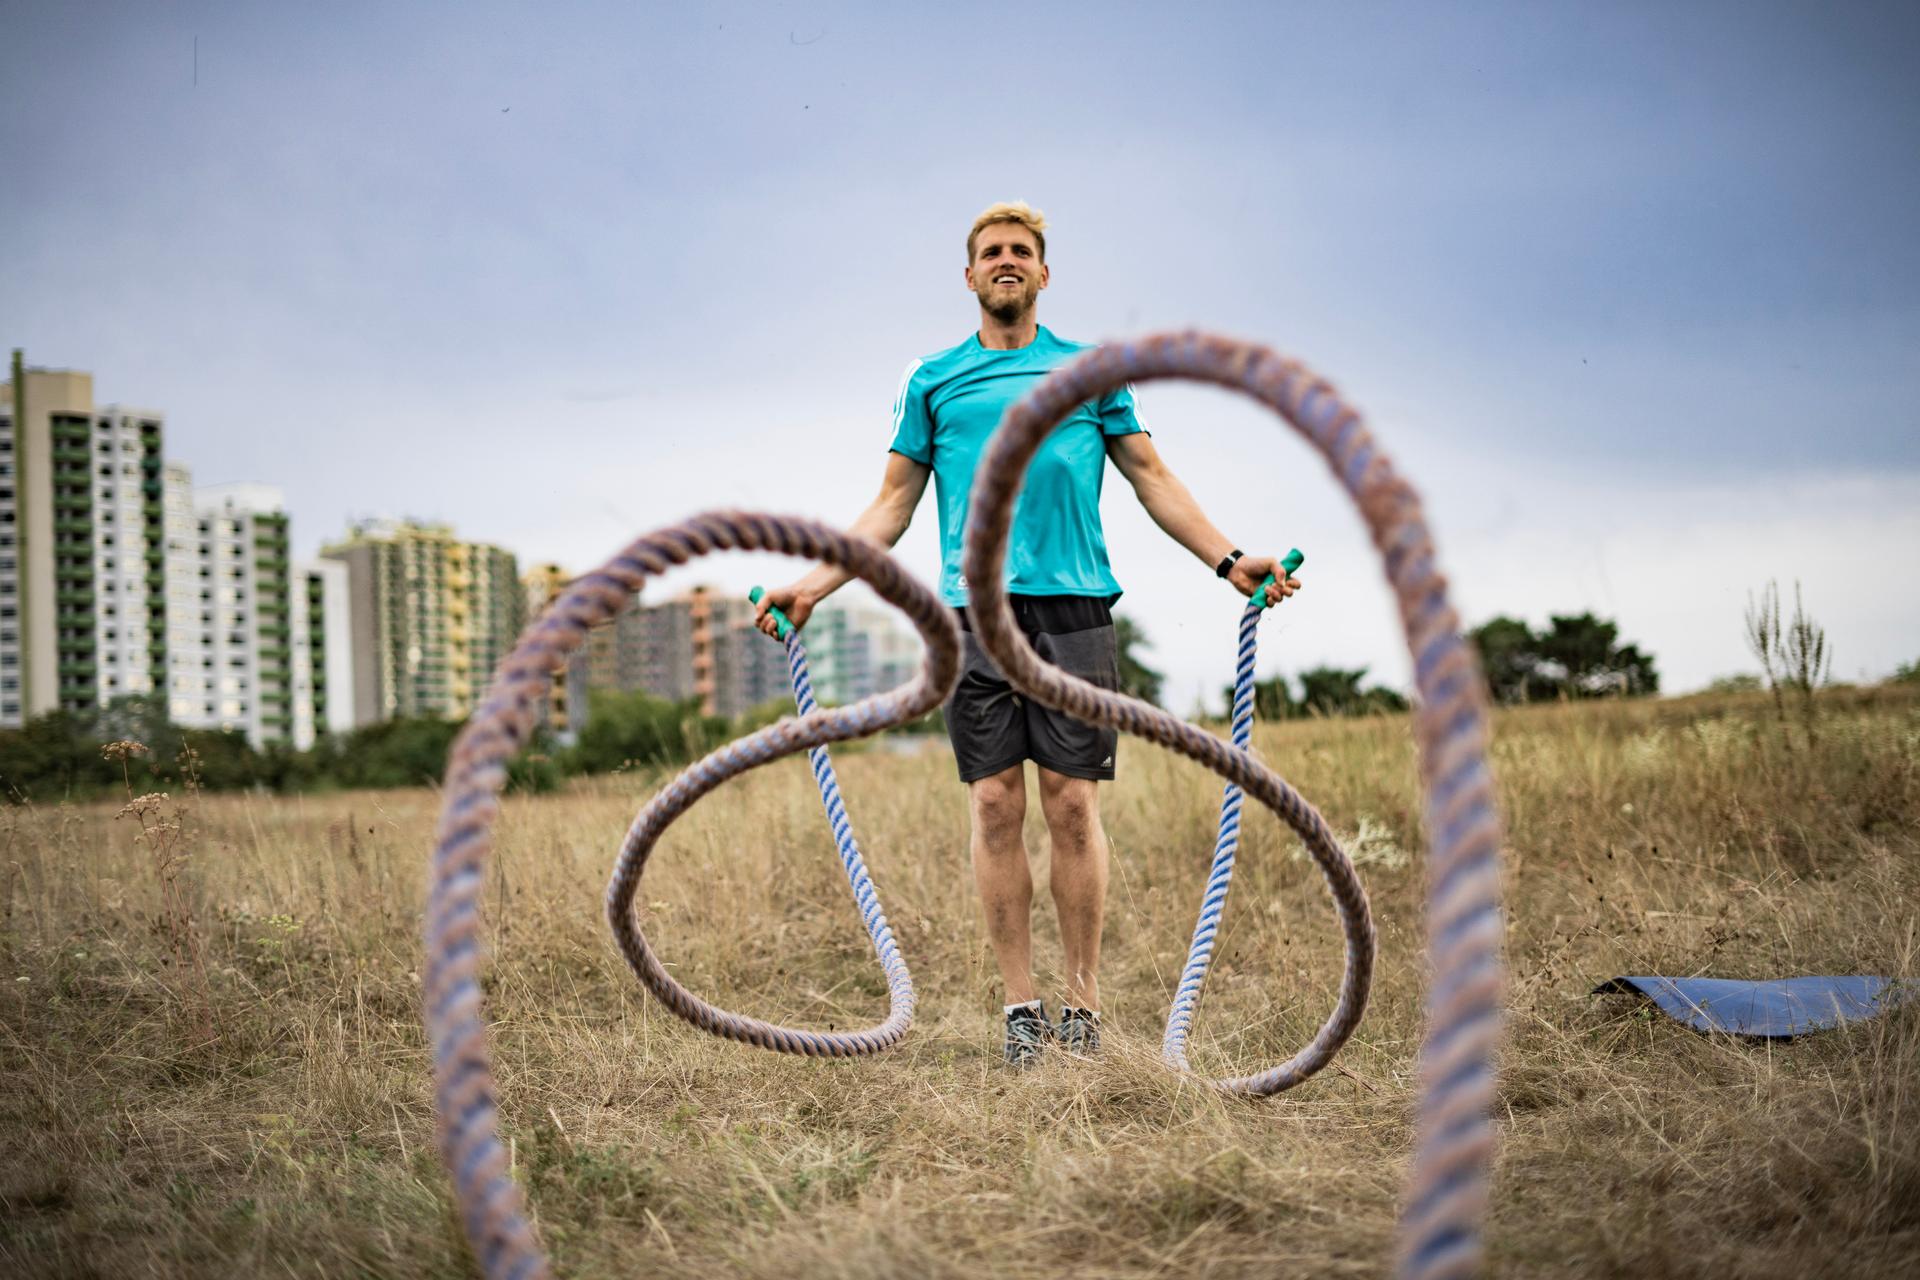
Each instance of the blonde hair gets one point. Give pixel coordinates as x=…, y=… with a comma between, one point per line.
x=1017, y=211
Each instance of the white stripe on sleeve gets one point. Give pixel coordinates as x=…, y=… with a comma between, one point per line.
x=900, y=396
x=1136, y=409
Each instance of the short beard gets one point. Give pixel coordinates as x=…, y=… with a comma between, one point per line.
x=1012, y=310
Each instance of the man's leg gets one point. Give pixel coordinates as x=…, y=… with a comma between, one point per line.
x=1000, y=872
x=1078, y=878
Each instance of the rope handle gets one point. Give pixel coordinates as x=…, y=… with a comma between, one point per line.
x=1288, y=563
x=785, y=626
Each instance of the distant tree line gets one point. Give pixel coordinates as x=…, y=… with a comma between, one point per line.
x=1324, y=691
x=1577, y=656
x=62, y=754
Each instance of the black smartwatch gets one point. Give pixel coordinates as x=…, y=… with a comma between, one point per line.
x=1226, y=566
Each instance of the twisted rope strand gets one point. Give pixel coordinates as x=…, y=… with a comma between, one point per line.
x=1446, y=1195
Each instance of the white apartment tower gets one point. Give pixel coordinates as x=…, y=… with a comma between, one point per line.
x=230, y=610
x=322, y=652
x=254, y=642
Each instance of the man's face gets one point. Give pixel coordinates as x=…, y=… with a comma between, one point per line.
x=1006, y=273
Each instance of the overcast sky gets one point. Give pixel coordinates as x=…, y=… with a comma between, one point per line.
x=1632, y=292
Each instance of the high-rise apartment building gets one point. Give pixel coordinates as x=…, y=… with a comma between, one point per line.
x=855, y=651
x=431, y=618
x=703, y=646
x=749, y=668
x=82, y=573
x=699, y=646
x=322, y=652
x=231, y=629
x=543, y=585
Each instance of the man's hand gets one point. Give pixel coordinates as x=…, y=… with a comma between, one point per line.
x=790, y=600
x=1249, y=572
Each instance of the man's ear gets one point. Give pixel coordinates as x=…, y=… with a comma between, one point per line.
x=968, y=276
x=1046, y=274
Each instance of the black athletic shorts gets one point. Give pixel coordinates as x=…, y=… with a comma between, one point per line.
x=994, y=728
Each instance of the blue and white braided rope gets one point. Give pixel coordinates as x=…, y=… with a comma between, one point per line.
x=1186, y=998
x=899, y=982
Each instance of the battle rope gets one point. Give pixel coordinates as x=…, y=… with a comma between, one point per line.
x=491, y=1204
x=899, y=982
x=1447, y=1191
x=1447, y=1196
x=1186, y=997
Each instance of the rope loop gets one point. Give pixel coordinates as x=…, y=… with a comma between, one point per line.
x=1446, y=1195
x=491, y=1204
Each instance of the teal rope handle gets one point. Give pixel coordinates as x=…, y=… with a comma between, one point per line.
x=1288, y=563
x=785, y=626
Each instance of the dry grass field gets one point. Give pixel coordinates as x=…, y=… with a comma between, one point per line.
x=265, y=1109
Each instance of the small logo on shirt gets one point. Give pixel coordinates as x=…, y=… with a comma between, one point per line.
x=1107, y=763
x=963, y=582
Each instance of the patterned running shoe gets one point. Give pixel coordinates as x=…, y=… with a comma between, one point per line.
x=1027, y=1033
x=1079, y=1031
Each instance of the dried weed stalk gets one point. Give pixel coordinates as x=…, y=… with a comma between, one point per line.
x=1795, y=657
x=164, y=831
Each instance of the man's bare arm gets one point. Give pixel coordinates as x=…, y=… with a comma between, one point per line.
x=884, y=521
x=1173, y=508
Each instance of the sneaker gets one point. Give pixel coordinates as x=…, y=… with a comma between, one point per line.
x=1027, y=1033
x=1079, y=1031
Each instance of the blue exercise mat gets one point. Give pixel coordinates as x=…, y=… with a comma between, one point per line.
x=1775, y=1010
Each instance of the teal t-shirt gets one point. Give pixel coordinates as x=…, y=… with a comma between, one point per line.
x=950, y=403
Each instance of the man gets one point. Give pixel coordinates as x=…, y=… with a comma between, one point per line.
x=1062, y=591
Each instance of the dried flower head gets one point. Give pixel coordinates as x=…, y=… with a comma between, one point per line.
x=140, y=806
x=122, y=749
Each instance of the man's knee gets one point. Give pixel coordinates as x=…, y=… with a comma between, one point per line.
x=1072, y=806
x=999, y=803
